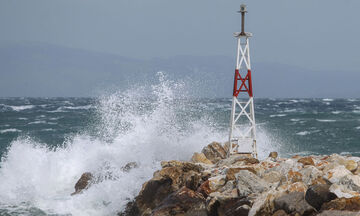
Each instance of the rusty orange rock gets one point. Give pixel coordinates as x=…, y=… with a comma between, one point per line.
x=294, y=176
x=307, y=161
x=230, y=174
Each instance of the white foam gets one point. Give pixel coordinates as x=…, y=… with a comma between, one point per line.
x=290, y=110
x=130, y=128
x=37, y=122
x=325, y=120
x=277, y=115
x=328, y=99
x=48, y=129
x=336, y=112
x=21, y=108
x=86, y=107
x=23, y=118
x=10, y=130
x=303, y=133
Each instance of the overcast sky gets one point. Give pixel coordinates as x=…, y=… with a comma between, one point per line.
x=320, y=35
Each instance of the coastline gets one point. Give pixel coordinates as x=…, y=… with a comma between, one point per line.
x=212, y=184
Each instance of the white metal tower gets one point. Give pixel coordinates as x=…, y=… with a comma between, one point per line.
x=242, y=137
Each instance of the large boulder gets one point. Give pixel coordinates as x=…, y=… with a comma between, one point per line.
x=247, y=183
x=310, y=174
x=184, y=202
x=317, y=195
x=214, y=152
x=293, y=203
x=352, y=182
x=307, y=161
x=351, y=165
x=335, y=174
x=200, y=158
x=342, y=191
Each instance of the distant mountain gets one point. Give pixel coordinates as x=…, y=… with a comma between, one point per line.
x=38, y=69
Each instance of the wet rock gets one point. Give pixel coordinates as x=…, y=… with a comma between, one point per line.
x=317, y=195
x=183, y=165
x=351, y=165
x=200, y=158
x=129, y=166
x=248, y=182
x=307, y=161
x=83, y=183
x=181, y=203
x=214, y=152
x=273, y=155
x=343, y=204
x=152, y=194
x=293, y=203
x=192, y=180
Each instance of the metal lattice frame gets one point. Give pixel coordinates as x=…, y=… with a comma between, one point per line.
x=242, y=137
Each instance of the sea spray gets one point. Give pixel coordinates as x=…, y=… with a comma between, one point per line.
x=145, y=124
x=141, y=127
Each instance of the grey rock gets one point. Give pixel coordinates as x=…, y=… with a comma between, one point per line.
x=248, y=182
x=316, y=195
x=293, y=202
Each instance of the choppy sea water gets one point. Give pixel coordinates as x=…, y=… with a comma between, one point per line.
x=47, y=143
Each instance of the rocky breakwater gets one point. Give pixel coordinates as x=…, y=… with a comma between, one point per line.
x=213, y=184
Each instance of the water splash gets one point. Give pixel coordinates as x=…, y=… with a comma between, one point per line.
x=144, y=125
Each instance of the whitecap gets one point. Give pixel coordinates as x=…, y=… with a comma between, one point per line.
x=336, y=112
x=21, y=108
x=295, y=120
x=290, y=110
x=325, y=120
x=48, y=129
x=277, y=115
x=10, y=130
x=358, y=127
x=37, y=122
x=303, y=133
x=23, y=118
x=86, y=107
x=328, y=99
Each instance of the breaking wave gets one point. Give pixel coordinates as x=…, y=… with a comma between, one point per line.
x=145, y=126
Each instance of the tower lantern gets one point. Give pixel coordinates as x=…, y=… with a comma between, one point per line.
x=242, y=137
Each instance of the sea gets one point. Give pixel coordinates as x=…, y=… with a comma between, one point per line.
x=47, y=143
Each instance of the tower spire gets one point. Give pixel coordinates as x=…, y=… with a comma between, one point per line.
x=242, y=138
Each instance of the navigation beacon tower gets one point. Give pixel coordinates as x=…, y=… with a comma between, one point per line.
x=242, y=137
